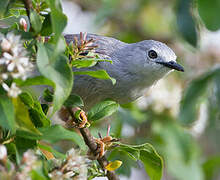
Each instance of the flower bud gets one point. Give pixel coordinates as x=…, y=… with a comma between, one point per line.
x=23, y=23
x=5, y=45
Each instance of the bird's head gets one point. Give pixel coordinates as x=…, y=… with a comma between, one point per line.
x=160, y=54
x=152, y=59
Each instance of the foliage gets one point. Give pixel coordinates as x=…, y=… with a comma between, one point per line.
x=35, y=144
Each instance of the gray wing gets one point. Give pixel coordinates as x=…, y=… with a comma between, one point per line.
x=93, y=90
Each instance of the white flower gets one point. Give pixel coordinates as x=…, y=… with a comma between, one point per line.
x=14, y=56
x=13, y=91
x=75, y=167
x=4, y=76
x=29, y=162
x=29, y=158
x=3, y=152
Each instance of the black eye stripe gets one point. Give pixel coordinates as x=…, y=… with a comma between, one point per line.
x=152, y=54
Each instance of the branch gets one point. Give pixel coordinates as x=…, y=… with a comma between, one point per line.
x=28, y=6
x=91, y=143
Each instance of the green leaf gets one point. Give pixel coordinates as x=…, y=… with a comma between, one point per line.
x=152, y=161
x=3, y=7
x=46, y=29
x=53, y=134
x=59, y=20
x=23, y=144
x=211, y=166
x=185, y=22
x=209, y=12
x=13, y=151
x=35, y=110
x=102, y=109
x=22, y=116
x=53, y=151
x=27, y=99
x=7, y=119
x=37, y=80
x=35, y=21
x=83, y=63
x=179, y=149
x=101, y=74
x=38, y=117
x=74, y=101
x=58, y=71
x=193, y=96
x=48, y=95
x=37, y=174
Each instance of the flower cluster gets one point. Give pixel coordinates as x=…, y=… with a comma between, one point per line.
x=29, y=162
x=8, y=170
x=14, y=62
x=74, y=167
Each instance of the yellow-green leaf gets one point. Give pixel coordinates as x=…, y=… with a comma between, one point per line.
x=22, y=116
x=112, y=166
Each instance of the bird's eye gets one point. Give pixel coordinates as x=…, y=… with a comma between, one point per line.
x=152, y=54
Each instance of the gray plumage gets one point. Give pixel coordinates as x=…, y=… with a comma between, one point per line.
x=132, y=68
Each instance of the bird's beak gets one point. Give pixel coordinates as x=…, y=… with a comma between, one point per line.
x=172, y=65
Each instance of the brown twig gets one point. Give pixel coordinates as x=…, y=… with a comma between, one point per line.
x=28, y=6
x=91, y=143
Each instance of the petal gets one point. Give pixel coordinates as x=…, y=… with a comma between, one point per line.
x=7, y=56
x=15, y=75
x=2, y=61
x=24, y=60
x=11, y=67
x=20, y=68
x=5, y=86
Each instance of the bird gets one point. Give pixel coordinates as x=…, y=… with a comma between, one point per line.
x=135, y=66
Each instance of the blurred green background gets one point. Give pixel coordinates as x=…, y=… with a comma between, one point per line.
x=180, y=115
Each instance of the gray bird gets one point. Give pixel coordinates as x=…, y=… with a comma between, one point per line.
x=135, y=67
